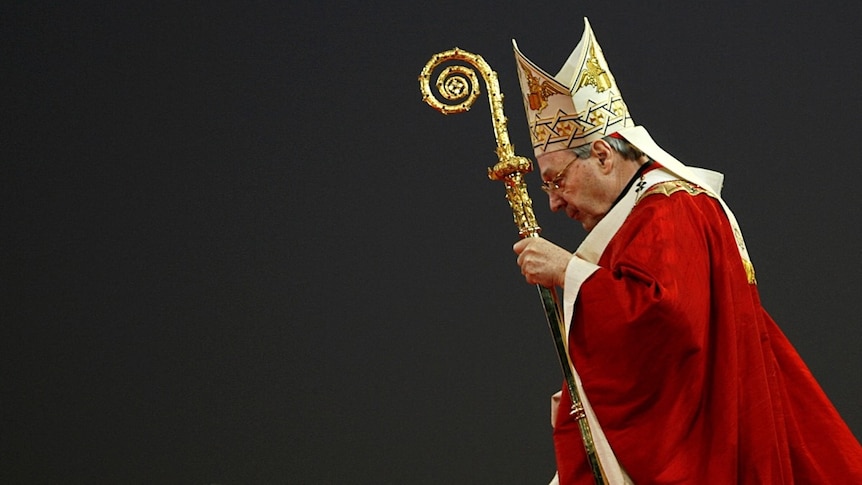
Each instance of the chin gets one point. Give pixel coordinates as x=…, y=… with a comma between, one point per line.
x=589, y=223
x=585, y=224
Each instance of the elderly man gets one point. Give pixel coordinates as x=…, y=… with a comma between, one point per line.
x=686, y=378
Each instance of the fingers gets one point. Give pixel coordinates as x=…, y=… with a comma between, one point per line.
x=541, y=261
x=522, y=244
x=531, y=259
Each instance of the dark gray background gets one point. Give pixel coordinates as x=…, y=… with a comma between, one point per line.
x=236, y=247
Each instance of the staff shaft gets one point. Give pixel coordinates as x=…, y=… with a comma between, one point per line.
x=459, y=85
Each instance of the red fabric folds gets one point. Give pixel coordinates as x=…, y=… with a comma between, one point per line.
x=690, y=378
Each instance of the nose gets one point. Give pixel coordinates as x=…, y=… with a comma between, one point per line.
x=555, y=202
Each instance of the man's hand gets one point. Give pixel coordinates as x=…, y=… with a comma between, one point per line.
x=542, y=262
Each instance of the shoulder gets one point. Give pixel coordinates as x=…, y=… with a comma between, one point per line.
x=670, y=208
x=671, y=187
x=673, y=198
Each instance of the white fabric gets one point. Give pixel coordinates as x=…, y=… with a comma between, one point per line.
x=639, y=137
x=582, y=103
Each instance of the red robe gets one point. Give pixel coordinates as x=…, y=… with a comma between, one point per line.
x=690, y=378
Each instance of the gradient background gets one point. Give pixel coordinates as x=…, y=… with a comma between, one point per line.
x=236, y=247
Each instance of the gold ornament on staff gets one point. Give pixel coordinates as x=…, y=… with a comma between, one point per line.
x=459, y=85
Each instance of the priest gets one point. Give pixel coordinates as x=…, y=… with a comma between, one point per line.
x=684, y=376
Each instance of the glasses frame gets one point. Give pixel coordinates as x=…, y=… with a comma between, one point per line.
x=553, y=185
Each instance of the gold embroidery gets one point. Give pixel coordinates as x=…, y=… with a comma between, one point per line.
x=537, y=99
x=749, y=272
x=674, y=186
x=593, y=75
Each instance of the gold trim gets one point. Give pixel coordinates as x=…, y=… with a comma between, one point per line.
x=673, y=186
x=577, y=412
x=749, y=271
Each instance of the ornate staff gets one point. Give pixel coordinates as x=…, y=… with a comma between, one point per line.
x=459, y=85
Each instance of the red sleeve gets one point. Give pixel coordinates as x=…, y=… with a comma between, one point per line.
x=651, y=303
x=641, y=333
x=642, y=323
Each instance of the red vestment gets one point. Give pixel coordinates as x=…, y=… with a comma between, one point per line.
x=690, y=378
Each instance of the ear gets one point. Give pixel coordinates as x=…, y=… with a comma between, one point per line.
x=602, y=151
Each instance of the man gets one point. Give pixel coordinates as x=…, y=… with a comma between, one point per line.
x=685, y=377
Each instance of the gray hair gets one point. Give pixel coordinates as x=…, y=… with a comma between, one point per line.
x=623, y=147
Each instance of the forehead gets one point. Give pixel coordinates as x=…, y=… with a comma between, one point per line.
x=551, y=163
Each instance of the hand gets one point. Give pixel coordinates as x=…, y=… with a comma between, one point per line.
x=542, y=262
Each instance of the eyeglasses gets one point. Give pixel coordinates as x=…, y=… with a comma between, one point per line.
x=550, y=186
